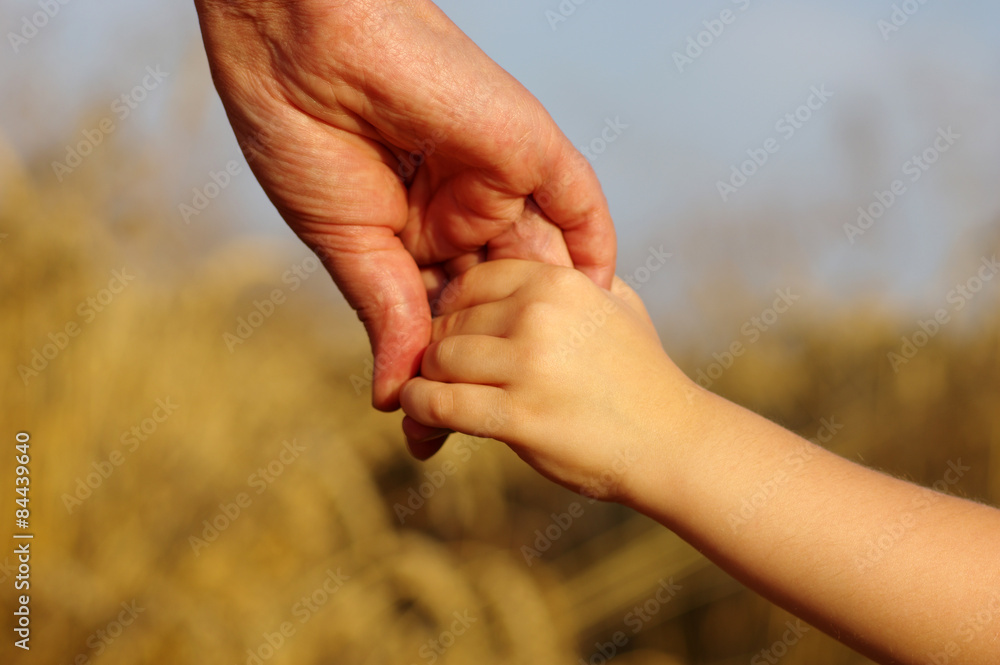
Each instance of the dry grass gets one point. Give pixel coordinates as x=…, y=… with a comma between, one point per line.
x=331, y=508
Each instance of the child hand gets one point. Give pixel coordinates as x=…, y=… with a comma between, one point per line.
x=571, y=376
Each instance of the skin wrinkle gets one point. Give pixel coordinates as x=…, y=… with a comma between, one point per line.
x=520, y=145
x=352, y=239
x=240, y=76
x=294, y=69
x=497, y=218
x=439, y=102
x=293, y=97
x=279, y=97
x=397, y=108
x=312, y=215
x=302, y=95
x=464, y=221
x=397, y=153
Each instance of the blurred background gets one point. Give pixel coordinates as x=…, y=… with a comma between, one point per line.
x=209, y=482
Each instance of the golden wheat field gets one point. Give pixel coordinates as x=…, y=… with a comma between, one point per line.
x=206, y=493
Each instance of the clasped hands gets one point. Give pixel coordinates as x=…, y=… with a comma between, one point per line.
x=402, y=155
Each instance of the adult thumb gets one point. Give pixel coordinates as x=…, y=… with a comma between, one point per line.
x=382, y=282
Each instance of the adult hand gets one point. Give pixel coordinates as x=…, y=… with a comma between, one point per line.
x=389, y=143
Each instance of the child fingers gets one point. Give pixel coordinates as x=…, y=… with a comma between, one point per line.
x=468, y=359
x=423, y=441
x=484, y=283
x=464, y=263
x=426, y=449
x=435, y=280
x=470, y=409
x=489, y=319
x=417, y=432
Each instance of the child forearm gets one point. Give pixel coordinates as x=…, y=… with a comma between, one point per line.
x=576, y=381
x=898, y=572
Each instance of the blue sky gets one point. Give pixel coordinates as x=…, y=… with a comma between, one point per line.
x=685, y=132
